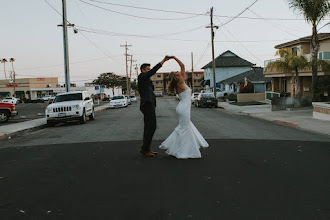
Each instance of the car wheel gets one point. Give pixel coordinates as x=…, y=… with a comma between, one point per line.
x=92, y=116
x=4, y=116
x=83, y=118
x=50, y=124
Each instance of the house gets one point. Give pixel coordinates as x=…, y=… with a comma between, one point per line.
x=227, y=65
x=283, y=82
x=254, y=76
x=160, y=81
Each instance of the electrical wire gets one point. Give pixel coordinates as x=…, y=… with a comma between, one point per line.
x=273, y=24
x=136, y=16
x=190, y=13
x=200, y=58
x=103, y=32
x=239, y=14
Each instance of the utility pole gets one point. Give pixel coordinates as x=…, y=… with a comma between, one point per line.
x=130, y=73
x=192, y=71
x=126, y=55
x=212, y=39
x=66, y=48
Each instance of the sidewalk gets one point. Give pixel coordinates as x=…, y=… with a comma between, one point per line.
x=7, y=131
x=300, y=119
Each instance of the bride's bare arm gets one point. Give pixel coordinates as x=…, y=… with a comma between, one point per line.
x=183, y=70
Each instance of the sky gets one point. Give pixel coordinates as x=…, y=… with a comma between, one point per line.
x=30, y=34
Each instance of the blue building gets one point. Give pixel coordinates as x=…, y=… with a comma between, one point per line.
x=227, y=65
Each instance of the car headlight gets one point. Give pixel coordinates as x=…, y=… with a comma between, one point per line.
x=49, y=110
x=78, y=107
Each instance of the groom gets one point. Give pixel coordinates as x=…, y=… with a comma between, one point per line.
x=148, y=104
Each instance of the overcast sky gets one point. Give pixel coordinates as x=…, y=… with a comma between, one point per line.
x=30, y=34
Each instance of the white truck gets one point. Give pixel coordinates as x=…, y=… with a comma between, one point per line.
x=70, y=106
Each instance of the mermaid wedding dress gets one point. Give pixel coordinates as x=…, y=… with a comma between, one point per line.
x=185, y=141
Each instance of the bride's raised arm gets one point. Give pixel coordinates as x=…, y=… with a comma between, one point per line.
x=183, y=70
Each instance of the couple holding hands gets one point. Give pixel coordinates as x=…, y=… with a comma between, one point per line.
x=185, y=141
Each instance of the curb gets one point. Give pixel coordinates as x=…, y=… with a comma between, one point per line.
x=286, y=123
x=38, y=127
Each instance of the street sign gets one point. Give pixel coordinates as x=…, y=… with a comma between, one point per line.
x=11, y=81
x=97, y=88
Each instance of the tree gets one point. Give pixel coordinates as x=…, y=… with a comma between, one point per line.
x=111, y=80
x=4, y=61
x=290, y=62
x=314, y=12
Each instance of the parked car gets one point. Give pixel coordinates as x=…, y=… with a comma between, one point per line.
x=7, y=110
x=47, y=97
x=70, y=106
x=133, y=98
x=12, y=100
x=221, y=93
x=194, y=97
x=128, y=99
x=206, y=100
x=118, y=101
x=102, y=96
x=51, y=100
x=158, y=94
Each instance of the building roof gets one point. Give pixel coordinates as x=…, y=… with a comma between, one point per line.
x=307, y=39
x=256, y=74
x=229, y=59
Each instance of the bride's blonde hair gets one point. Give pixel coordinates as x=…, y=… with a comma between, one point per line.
x=172, y=82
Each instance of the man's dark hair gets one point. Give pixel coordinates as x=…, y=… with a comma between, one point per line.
x=143, y=66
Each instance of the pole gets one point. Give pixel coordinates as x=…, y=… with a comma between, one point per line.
x=192, y=71
x=66, y=49
x=212, y=38
x=126, y=55
x=12, y=66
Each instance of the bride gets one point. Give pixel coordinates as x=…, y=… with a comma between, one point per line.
x=185, y=140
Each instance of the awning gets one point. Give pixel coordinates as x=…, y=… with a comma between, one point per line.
x=205, y=82
x=19, y=92
x=4, y=93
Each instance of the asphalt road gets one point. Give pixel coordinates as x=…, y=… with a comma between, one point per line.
x=253, y=169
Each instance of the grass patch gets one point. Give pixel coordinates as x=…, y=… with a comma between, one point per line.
x=248, y=103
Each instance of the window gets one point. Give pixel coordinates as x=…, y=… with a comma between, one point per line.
x=295, y=51
x=158, y=76
x=326, y=55
x=320, y=56
x=198, y=74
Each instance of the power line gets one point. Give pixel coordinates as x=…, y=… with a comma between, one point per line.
x=232, y=19
x=103, y=32
x=84, y=35
x=273, y=24
x=207, y=47
x=136, y=16
x=190, y=13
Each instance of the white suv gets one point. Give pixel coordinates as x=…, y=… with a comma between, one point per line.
x=70, y=106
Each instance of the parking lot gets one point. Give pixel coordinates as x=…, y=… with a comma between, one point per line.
x=31, y=111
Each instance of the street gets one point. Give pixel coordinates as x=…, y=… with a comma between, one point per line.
x=253, y=169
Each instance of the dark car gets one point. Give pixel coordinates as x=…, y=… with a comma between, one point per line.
x=206, y=100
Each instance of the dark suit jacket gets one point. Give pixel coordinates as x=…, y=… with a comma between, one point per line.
x=145, y=86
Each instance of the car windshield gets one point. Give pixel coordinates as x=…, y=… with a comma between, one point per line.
x=117, y=97
x=207, y=96
x=8, y=98
x=68, y=97
x=196, y=94
x=132, y=96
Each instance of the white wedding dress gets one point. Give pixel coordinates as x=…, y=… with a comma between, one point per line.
x=185, y=140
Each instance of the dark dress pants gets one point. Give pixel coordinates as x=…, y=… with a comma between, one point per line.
x=148, y=109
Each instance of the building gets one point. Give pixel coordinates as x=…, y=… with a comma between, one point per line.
x=227, y=65
x=28, y=88
x=160, y=81
x=282, y=82
x=254, y=76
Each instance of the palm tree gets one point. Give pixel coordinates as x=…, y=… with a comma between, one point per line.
x=4, y=61
x=290, y=63
x=314, y=12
